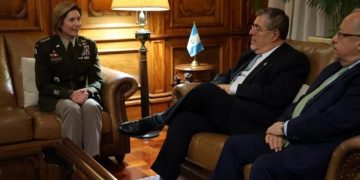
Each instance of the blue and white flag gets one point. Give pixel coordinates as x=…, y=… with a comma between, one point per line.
x=194, y=45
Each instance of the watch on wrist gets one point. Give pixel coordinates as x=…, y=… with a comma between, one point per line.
x=282, y=128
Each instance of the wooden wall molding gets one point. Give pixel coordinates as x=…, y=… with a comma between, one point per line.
x=15, y=12
x=191, y=8
x=21, y=15
x=99, y=8
x=203, y=12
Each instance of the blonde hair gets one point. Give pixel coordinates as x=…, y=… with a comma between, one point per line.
x=59, y=13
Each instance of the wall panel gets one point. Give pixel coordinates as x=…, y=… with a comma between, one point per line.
x=23, y=15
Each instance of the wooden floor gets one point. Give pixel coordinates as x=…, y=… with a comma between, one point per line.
x=137, y=163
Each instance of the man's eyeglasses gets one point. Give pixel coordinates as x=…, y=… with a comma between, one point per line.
x=341, y=34
x=257, y=28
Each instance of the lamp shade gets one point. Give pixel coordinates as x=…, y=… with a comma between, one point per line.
x=138, y=5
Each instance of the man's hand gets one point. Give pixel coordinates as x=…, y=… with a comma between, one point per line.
x=276, y=143
x=79, y=96
x=225, y=87
x=276, y=129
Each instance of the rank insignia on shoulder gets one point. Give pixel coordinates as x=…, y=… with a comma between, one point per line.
x=45, y=39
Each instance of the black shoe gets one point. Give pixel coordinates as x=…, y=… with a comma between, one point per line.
x=141, y=127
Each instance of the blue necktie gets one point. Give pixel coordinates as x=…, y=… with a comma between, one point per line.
x=252, y=62
x=248, y=67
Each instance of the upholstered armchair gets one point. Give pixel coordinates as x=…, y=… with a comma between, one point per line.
x=21, y=124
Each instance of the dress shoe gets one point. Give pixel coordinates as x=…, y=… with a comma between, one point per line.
x=149, y=124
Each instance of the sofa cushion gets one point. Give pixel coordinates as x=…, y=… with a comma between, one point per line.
x=46, y=125
x=31, y=93
x=15, y=126
x=205, y=148
x=319, y=54
x=15, y=44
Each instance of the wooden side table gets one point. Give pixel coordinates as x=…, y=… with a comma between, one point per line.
x=188, y=73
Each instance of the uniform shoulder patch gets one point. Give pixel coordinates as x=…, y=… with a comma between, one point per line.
x=43, y=40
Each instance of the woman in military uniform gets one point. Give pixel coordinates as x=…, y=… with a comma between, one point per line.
x=68, y=78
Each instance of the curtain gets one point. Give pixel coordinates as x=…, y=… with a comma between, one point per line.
x=305, y=21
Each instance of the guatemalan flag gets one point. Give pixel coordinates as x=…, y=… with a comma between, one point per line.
x=194, y=45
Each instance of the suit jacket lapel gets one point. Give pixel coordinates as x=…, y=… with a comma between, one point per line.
x=257, y=69
x=326, y=75
x=266, y=62
x=330, y=70
x=243, y=62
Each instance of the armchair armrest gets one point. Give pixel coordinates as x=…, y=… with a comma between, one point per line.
x=182, y=89
x=345, y=160
x=118, y=86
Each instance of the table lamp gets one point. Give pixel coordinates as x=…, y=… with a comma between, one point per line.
x=142, y=35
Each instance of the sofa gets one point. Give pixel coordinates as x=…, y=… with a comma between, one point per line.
x=23, y=124
x=205, y=148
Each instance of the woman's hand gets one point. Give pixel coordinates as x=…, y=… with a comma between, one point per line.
x=79, y=96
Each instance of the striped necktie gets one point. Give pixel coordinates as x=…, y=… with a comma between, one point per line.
x=300, y=106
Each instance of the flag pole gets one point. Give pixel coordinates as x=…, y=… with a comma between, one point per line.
x=194, y=62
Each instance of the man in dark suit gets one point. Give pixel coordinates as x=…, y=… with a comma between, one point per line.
x=246, y=99
x=300, y=144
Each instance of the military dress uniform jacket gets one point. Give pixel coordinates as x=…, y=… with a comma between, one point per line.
x=58, y=73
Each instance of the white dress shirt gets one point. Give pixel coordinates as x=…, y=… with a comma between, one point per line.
x=240, y=79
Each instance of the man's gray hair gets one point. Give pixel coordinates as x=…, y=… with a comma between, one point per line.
x=278, y=20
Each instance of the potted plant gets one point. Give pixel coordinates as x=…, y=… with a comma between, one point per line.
x=335, y=10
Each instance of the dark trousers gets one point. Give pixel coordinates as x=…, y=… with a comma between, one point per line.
x=208, y=100
x=297, y=162
x=205, y=108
